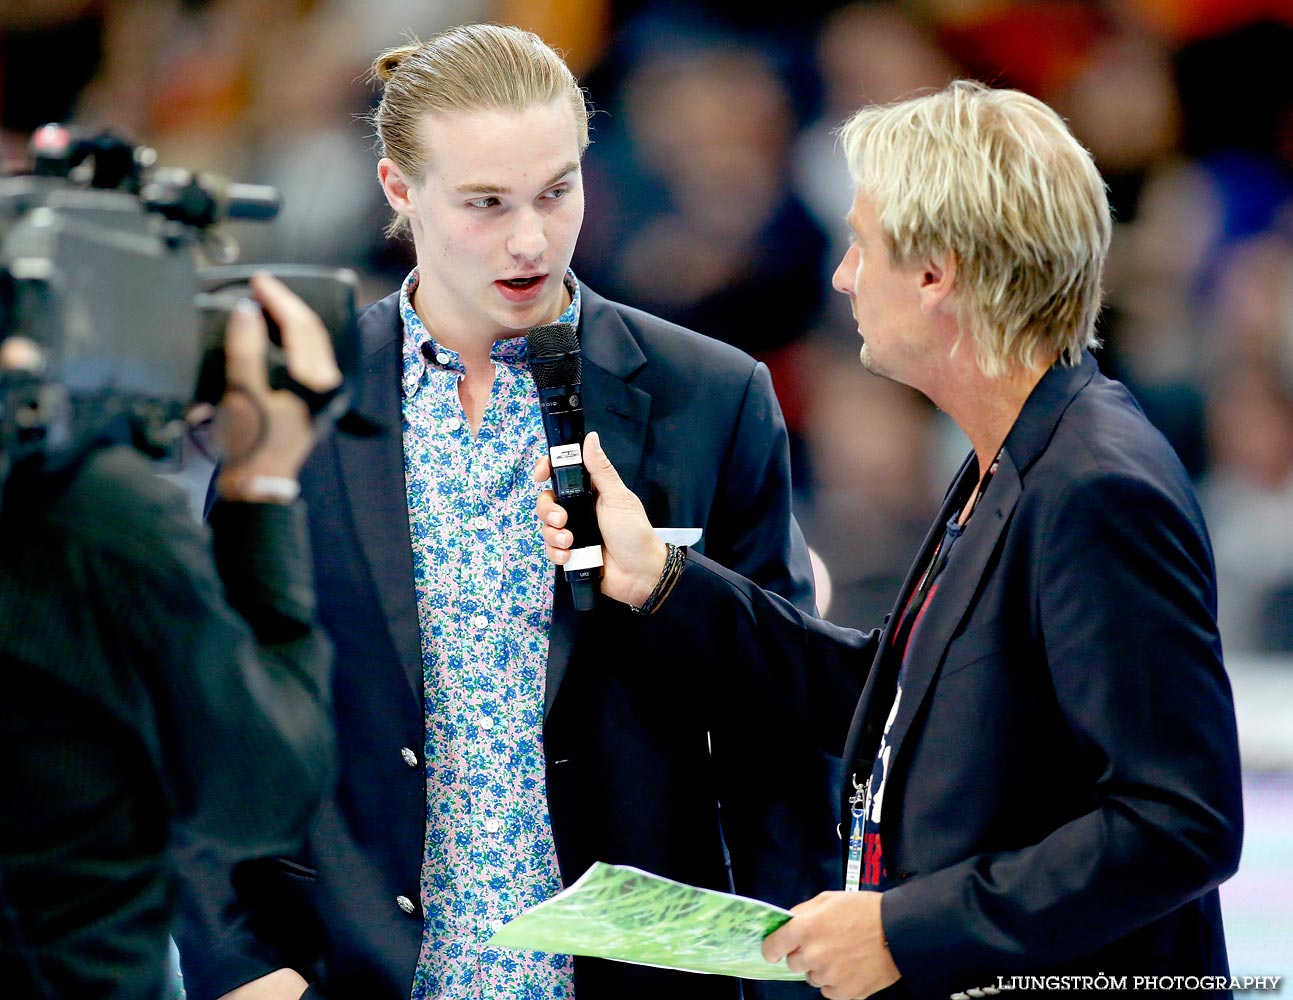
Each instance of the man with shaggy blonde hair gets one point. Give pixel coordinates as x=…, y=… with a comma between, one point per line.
x=1045, y=775
x=995, y=178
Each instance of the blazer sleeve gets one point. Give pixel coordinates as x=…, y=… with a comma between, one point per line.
x=779, y=816
x=242, y=689
x=804, y=672
x=752, y=529
x=250, y=784
x=235, y=696
x=1123, y=596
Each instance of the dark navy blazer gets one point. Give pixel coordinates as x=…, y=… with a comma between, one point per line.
x=1064, y=791
x=639, y=756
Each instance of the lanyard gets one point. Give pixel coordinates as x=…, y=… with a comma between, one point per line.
x=861, y=800
x=916, y=602
x=860, y=804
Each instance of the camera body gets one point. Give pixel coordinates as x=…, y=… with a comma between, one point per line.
x=99, y=269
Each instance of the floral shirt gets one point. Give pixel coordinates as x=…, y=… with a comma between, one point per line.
x=484, y=594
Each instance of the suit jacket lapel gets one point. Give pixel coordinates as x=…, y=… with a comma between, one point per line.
x=948, y=607
x=373, y=474
x=619, y=412
x=880, y=678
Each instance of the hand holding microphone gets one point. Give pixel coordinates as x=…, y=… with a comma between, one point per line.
x=557, y=367
x=634, y=554
x=588, y=502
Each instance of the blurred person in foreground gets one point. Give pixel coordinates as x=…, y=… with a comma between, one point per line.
x=490, y=748
x=151, y=690
x=1045, y=770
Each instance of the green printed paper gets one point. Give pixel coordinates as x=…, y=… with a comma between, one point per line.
x=633, y=916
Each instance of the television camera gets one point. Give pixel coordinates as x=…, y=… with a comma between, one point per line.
x=100, y=255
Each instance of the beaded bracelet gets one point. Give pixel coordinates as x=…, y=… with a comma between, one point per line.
x=674, y=560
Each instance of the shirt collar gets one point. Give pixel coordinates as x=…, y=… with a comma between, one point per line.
x=421, y=352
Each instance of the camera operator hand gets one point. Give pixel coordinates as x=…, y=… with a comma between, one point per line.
x=19, y=354
x=265, y=434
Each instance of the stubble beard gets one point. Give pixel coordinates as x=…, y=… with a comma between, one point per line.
x=869, y=362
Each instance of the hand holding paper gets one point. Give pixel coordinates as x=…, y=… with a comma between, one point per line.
x=836, y=940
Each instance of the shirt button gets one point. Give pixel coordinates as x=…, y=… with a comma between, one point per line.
x=453, y=424
x=480, y=622
x=487, y=722
x=480, y=522
x=410, y=758
x=493, y=824
x=442, y=357
x=405, y=904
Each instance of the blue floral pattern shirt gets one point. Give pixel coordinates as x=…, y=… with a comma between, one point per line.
x=484, y=595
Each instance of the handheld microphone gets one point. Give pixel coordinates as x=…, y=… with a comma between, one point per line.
x=557, y=368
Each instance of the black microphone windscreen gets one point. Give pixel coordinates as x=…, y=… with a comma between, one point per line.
x=554, y=355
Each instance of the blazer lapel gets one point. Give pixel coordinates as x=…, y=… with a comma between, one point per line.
x=882, y=676
x=949, y=605
x=373, y=477
x=620, y=413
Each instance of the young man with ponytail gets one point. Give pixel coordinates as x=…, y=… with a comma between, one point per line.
x=490, y=750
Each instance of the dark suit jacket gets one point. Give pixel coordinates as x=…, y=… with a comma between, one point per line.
x=1064, y=790
x=144, y=695
x=694, y=429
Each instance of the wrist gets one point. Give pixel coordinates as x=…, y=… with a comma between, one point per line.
x=242, y=486
x=648, y=578
x=670, y=567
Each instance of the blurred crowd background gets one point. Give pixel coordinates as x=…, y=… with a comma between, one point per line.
x=715, y=197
